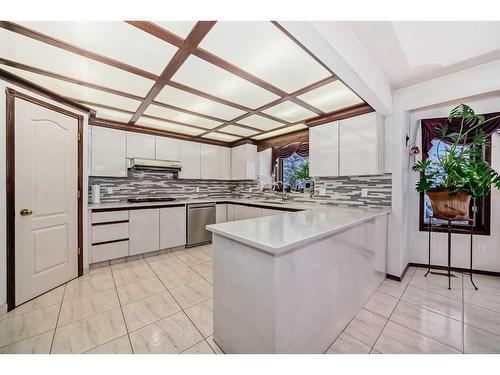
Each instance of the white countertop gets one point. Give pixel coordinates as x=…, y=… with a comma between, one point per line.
x=290, y=205
x=279, y=233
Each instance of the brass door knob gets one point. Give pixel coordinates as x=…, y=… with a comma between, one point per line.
x=26, y=212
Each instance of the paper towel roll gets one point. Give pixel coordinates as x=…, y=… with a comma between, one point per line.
x=96, y=194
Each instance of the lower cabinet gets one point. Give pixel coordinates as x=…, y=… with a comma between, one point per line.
x=245, y=212
x=269, y=212
x=172, y=227
x=230, y=212
x=220, y=213
x=144, y=230
x=108, y=251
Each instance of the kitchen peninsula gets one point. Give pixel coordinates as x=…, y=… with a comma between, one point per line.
x=290, y=283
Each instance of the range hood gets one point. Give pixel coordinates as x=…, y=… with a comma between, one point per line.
x=155, y=165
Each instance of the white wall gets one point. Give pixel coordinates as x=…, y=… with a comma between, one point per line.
x=3, y=268
x=417, y=241
x=440, y=92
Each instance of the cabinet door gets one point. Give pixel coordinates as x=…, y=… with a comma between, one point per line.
x=167, y=148
x=270, y=212
x=140, y=145
x=236, y=163
x=244, y=212
x=144, y=228
x=220, y=213
x=172, y=227
x=109, y=151
x=230, y=213
x=324, y=150
x=224, y=163
x=189, y=155
x=210, y=167
x=359, y=145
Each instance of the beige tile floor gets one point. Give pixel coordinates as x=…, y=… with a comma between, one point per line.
x=163, y=304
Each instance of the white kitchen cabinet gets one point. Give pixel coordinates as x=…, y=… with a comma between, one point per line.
x=109, y=151
x=140, y=145
x=244, y=162
x=190, y=157
x=245, y=212
x=224, y=163
x=167, y=148
x=324, y=150
x=172, y=227
x=270, y=212
x=210, y=167
x=230, y=212
x=361, y=145
x=220, y=213
x=144, y=228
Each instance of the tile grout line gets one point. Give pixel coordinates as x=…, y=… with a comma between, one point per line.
x=183, y=310
x=388, y=319
x=58, y=316
x=123, y=315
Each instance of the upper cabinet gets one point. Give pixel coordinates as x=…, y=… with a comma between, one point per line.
x=244, y=162
x=109, y=151
x=190, y=157
x=167, y=148
x=215, y=162
x=361, y=145
x=324, y=150
x=140, y=145
x=350, y=147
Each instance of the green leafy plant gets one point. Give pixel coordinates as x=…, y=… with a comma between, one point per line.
x=462, y=167
x=301, y=174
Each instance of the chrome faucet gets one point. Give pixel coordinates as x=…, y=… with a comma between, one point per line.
x=284, y=194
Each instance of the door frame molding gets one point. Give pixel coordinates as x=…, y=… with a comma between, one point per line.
x=11, y=95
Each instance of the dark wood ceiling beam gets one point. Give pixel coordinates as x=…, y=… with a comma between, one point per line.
x=19, y=29
x=158, y=31
x=355, y=110
x=283, y=140
x=196, y=35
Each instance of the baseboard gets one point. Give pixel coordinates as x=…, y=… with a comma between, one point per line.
x=398, y=278
x=457, y=269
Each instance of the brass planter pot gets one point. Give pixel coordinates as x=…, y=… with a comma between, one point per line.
x=450, y=206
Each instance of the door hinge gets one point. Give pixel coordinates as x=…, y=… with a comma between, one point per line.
x=79, y=137
x=78, y=251
x=78, y=194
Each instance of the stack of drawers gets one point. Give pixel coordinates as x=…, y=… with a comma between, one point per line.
x=110, y=235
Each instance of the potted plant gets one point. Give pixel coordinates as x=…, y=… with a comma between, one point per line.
x=461, y=172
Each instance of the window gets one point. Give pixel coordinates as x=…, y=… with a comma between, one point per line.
x=479, y=209
x=289, y=166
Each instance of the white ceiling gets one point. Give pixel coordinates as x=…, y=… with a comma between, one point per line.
x=410, y=52
x=260, y=49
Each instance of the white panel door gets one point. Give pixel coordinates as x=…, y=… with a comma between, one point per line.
x=190, y=157
x=144, y=229
x=359, y=145
x=324, y=150
x=109, y=152
x=46, y=183
x=140, y=145
x=172, y=227
x=210, y=166
x=167, y=148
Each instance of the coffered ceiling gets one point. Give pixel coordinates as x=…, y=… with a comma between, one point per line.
x=223, y=81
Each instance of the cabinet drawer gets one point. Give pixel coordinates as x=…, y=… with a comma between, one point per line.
x=109, y=232
x=104, y=217
x=109, y=251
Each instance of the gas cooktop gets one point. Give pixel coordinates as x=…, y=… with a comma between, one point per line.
x=150, y=199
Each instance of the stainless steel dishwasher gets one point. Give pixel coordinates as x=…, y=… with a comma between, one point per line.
x=199, y=215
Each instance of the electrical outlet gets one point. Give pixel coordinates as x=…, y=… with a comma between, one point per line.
x=197, y=190
x=364, y=193
x=110, y=190
x=481, y=249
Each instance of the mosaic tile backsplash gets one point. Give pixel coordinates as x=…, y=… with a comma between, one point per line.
x=157, y=184
x=345, y=191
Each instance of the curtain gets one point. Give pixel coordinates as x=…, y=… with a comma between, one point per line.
x=429, y=132
x=283, y=152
